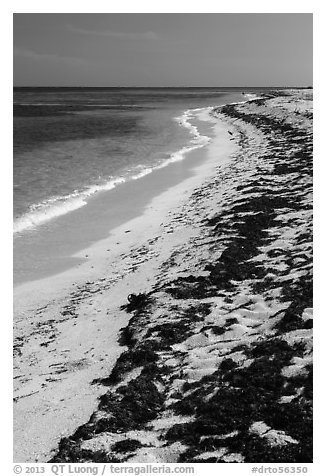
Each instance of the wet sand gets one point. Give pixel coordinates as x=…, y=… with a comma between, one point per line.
x=66, y=325
x=223, y=260
x=51, y=248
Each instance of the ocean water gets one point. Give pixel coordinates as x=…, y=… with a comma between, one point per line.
x=70, y=144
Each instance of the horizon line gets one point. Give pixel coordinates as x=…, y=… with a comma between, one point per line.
x=167, y=87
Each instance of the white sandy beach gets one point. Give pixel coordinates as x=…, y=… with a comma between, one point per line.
x=67, y=325
x=59, y=357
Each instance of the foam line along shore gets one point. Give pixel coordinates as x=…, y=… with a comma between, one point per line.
x=50, y=232
x=60, y=205
x=218, y=359
x=44, y=309
x=220, y=259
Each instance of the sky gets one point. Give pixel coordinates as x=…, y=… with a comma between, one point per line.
x=163, y=49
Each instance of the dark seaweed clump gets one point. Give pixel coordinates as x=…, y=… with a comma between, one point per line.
x=129, y=408
x=238, y=397
x=225, y=404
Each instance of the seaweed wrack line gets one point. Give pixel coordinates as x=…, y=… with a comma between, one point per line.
x=218, y=359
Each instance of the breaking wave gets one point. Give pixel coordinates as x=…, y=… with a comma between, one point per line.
x=61, y=205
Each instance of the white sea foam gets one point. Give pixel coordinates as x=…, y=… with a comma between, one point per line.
x=198, y=140
x=250, y=95
x=61, y=205
x=44, y=213
x=57, y=206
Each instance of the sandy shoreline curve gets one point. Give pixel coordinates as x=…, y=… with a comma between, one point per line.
x=50, y=334
x=214, y=286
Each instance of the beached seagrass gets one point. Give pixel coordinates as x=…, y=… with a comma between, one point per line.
x=217, y=365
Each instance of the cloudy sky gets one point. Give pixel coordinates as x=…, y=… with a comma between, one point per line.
x=162, y=49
